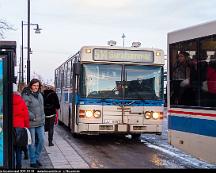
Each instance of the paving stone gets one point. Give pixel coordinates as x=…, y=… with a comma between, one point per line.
x=61, y=155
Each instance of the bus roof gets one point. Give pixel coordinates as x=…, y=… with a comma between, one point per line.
x=120, y=47
x=196, y=31
x=89, y=58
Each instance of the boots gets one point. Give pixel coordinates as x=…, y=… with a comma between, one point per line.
x=50, y=143
x=25, y=150
x=26, y=157
x=18, y=166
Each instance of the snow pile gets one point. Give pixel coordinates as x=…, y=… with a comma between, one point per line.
x=160, y=143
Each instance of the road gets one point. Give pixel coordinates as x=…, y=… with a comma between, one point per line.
x=150, y=151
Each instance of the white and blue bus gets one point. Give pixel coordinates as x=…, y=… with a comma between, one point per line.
x=192, y=96
x=110, y=89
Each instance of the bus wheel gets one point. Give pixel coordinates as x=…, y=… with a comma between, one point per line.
x=135, y=136
x=75, y=135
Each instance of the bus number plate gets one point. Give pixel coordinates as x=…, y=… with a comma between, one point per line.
x=111, y=121
x=108, y=121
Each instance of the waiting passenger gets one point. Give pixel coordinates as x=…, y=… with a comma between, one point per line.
x=51, y=106
x=21, y=87
x=20, y=119
x=34, y=101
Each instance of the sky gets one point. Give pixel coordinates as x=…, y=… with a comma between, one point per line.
x=67, y=25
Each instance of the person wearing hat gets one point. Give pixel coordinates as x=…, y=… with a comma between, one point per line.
x=181, y=74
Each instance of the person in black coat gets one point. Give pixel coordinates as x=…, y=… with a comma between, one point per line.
x=51, y=105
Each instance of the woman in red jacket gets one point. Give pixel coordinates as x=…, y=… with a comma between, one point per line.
x=20, y=119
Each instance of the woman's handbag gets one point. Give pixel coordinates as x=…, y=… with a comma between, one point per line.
x=29, y=136
x=20, y=137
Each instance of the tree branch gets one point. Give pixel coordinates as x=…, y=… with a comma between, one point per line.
x=4, y=26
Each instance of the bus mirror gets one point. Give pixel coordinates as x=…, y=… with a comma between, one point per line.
x=77, y=68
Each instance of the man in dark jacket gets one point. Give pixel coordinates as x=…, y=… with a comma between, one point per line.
x=51, y=105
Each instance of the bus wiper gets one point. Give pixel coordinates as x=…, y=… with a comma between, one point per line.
x=128, y=104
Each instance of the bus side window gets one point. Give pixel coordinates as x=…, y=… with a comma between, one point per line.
x=181, y=73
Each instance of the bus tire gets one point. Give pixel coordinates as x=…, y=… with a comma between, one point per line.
x=135, y=136
x=75, y=135
x=60, y=123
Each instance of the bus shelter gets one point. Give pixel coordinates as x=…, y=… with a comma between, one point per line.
x=7, y=62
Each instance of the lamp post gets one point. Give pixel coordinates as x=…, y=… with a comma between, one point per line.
x=123, y=37
x=22, y=80
x=37, y=31
x=28, y=53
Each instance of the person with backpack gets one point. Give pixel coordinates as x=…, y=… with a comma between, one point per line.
x=51, y=106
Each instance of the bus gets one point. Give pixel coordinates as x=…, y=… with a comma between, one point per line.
x=111, y=90
x=192, y=90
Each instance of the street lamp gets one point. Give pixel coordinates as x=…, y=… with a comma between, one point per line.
x=37, y=31
x=28, y=51
x=123, y=37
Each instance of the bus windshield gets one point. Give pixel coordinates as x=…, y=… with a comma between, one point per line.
x=99, y=81
x=106, y=81
x=143, y=82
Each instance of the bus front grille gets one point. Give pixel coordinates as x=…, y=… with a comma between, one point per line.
x=106, y=127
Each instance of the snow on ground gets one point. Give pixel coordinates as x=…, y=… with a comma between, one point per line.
x=160, y=143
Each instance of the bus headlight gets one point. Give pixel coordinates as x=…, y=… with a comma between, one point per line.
x=88, y=113
x=158, y=54
x=148, y=114
x=97, y=114
x=156, y=115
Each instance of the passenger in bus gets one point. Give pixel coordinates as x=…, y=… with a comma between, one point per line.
x=181, y=73
x=51, y=106
x=190, y=96
x=203, y=66
x=35, y=103
x=211, y=81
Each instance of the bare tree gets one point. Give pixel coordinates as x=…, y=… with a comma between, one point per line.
x=3, y=27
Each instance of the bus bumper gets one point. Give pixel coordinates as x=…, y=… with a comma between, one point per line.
x=119, y=128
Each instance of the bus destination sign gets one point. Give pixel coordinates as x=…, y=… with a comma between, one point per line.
x=123, y=55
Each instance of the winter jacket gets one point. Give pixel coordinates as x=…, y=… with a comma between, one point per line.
x=51, y=102
x=35, y=107
x=20, y=112
x=181, y=71
x=211, y=80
